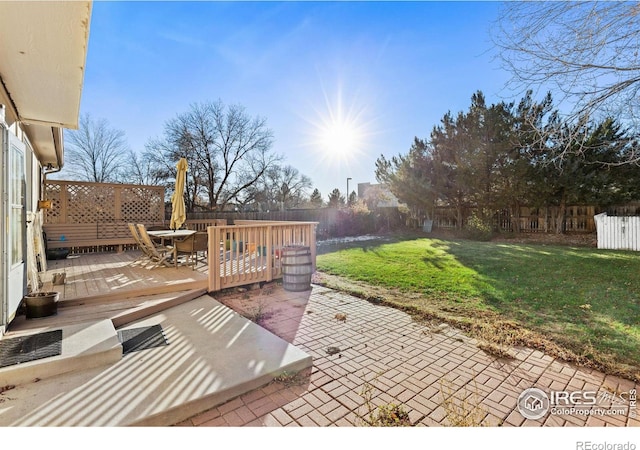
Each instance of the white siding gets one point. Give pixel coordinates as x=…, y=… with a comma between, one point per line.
x=618, y=232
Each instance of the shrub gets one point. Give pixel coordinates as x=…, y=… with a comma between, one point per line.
x=477, y=229
x=354, y=221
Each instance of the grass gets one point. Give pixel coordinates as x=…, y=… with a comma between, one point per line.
x=580, y=304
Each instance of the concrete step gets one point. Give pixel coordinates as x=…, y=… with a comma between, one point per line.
x=84, y=346
x=149, y=308
x=86, y=343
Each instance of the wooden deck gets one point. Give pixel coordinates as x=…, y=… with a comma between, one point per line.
x=112, y=276
x=108, y=286
x=113, y=285
x=214, y=354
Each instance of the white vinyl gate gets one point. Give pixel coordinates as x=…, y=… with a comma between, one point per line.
x=618, y=232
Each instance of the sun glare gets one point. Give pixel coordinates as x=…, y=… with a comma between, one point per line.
x=340, y=139
x=339, y=133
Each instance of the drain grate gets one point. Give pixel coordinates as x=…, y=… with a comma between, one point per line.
x=136, y=339
x=24, y=349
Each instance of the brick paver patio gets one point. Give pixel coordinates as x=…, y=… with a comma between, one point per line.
x=356, y=345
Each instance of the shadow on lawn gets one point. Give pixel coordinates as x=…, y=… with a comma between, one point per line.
x=580, y=297
x=584, y=299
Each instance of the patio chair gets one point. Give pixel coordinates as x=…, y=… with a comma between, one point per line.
x=184, y=247
x=192, y=246
x=155, y=239
x=159, y=255
x=200, y=245
x=145, y=257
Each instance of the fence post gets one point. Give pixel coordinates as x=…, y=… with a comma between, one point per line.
x=117, y=204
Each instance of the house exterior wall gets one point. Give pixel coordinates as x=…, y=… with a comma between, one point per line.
x=10, y=290
x=42, y=64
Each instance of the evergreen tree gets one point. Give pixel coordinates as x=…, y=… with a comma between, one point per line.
x=336, y=199
x=410, y=178
x=353, y=198
x=490, y=160
x=597, y=175
x=472, y=157
x=315, y=200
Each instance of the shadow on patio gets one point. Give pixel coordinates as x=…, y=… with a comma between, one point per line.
x=213, y=353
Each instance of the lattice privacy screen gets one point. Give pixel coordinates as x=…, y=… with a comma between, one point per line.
x=84, y=202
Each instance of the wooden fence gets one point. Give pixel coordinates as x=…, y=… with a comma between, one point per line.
x=533, y=220
x=528, y=220
x=84, y=202
x=326, y=218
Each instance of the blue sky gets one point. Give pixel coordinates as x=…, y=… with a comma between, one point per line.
x=382, y=72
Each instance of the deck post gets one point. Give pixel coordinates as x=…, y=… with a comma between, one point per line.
x=213, y=258
x=269, y=253
x=312, y=245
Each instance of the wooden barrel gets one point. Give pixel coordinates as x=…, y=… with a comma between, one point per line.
x=296, y=268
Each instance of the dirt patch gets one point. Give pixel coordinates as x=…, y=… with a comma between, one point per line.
x=569, y=239
x=572, y=240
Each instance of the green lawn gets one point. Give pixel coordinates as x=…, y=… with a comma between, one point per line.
x=585, y=300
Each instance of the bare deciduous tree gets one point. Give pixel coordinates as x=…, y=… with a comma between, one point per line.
x=95, y=151
x=280, y=187
x=227, y=150
x=143, y=169
x=586, y=53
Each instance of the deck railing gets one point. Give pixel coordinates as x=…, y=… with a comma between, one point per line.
x=250, y=251
x=203, y=224
x=244, y=253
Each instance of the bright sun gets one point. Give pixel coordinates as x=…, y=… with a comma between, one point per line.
x=340, y=139
x=339, y=133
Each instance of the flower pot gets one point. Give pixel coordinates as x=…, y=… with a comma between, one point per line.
x=238, y=246
x=41, y=304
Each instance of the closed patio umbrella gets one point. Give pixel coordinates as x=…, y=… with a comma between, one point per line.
x=178, y=214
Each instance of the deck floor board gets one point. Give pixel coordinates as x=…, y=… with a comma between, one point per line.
x=95, y=274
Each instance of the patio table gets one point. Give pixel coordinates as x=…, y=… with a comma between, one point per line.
x=171, y=235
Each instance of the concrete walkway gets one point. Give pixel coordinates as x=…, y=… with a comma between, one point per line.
x=213, y=355
x=366, y=355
